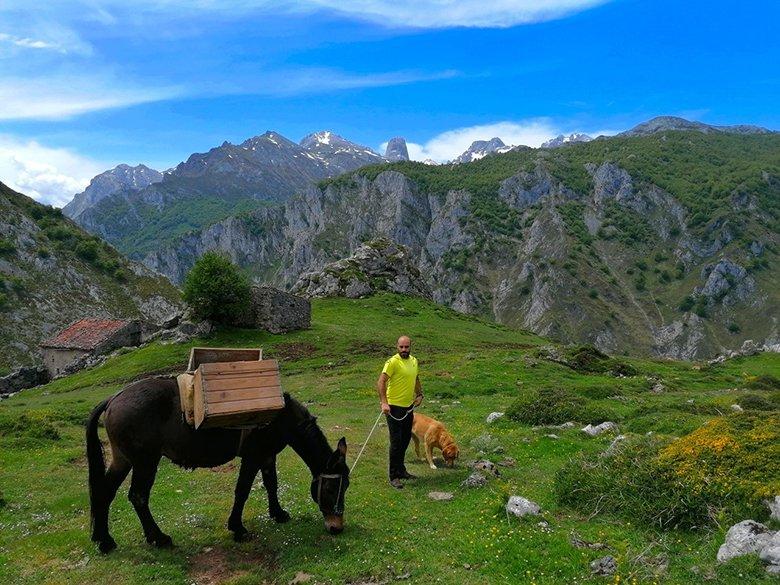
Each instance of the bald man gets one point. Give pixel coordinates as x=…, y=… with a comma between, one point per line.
x=399, y=391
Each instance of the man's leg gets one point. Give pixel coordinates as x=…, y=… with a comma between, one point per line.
x=396, y=456
x=405, y=438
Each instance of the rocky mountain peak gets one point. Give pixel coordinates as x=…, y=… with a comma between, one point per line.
x=562, y=139
x=481, y=148
x=112, y=181
x=664, y=123
x=396, y=149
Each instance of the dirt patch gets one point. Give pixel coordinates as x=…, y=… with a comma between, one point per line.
x=226, y=468
x=373, y=349
x=214, y=565
x=292, y=351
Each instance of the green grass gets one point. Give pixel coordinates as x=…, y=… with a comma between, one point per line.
x=469, y=368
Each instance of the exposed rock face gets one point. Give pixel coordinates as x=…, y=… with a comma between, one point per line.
x=47, y=285
x=607, y=263
x=396, y=150
x=122, y=177
x=376, y=265
x=744, y=538
x=277, y=311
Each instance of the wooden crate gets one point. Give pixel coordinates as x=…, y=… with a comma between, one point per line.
x=211, y=355
x=236, y=393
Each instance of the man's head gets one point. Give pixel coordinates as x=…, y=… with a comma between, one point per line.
x=404, y=346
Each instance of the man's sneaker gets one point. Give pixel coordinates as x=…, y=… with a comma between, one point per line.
x=396, y=483
x=408, y=475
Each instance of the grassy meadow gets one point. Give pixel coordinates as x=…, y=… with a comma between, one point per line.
x=469, y=368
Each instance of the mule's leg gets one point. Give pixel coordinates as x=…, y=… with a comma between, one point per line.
x=271, y=484
x=115, y=475
x=416, y=446
x=140, y=488
x=246, y=476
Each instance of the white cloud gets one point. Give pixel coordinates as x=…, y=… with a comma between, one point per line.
x=62, y=96
x=448, y=145
x=457, y=13
x=48, y=175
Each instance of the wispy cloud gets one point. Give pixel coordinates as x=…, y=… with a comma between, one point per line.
x=456, y=13
x=48, y=175
x=63, y=96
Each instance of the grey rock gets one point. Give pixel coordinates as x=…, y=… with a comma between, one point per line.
x=596, y=430
x=486, y=467
x=441, y=496
x=774, y=508
x=749, y=348
x=481, y=148
x=507, y=462
x=664, y=123
x=726, y=282
x=493, y=417
x=476, y=479
x=743, y=538
x=604, y=566
x=22, y=378
x=520, y=506
x=121, y=177
x=562, y=140
x=170, y=321
x=773, y=570
x=770, y=552
x=396, y=150
x=736, y=408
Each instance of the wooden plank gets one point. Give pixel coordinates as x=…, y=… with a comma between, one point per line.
x=243, y=394
x=228, y=367
x=243, y=382
x=199, y=399
x=202, y=355
x=242, y=420
x=273, y=402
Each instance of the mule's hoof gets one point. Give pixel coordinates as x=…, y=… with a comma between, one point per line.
x=161, y=541
x=107, y=545
x=242, y=535
x=281, y=517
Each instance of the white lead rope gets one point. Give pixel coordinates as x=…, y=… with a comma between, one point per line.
x=363, y=448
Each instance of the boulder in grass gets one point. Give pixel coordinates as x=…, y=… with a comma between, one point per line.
x=486, y=467
x=604, y=427
x=476, y=479
x=604, y=566
x=744, y=538
x=774, y=508
x=493, y=417
x=520, y=506
x=441, y=496
x=770, y=552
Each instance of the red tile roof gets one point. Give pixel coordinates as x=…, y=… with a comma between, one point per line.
x=86, y=334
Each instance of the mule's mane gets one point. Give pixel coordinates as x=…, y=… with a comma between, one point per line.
x=311, y=443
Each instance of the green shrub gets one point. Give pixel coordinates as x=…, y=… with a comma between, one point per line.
x=593, y=293
x=32, y=425
x=758, y=402
x=586, y=358
x=3, y=502
x=733, y=328
x=550, y=406
x=44, y=252
x=719, y=472
x=7, y=247
x=600, y=392
x=4, y=303
x=87, y=250
x=216, y=289
x=764, y=382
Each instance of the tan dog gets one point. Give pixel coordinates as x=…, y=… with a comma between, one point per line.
x=433, y=434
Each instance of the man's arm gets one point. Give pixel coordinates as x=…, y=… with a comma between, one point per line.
x=418, y=394
x=381, y=386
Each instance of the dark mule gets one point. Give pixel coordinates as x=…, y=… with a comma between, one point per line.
x=144, y=422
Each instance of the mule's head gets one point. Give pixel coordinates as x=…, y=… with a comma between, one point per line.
x=450, y=454
x=330, y=486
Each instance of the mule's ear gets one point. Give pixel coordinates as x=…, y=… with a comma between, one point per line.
x=342, y=446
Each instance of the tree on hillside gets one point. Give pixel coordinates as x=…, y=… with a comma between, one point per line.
x=216, y=289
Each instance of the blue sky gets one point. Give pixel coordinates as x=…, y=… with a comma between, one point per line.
x=85, y=85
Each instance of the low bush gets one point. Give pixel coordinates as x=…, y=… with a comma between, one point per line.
x=216, y=289
x=758, y=402
x=720, y=472
x=550, y=406
x=764, y=382
x=600, y=392
x=30, y=425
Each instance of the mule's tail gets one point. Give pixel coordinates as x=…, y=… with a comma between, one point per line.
x=96, y=465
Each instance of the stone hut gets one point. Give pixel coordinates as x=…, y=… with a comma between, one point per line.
x=88, y=337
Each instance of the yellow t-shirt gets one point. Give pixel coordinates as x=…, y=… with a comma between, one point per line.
x=402, y=376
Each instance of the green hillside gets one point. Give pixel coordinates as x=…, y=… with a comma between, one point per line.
x=469, y=368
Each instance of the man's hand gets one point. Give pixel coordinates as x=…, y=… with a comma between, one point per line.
x=418, y=400
x=385, y=407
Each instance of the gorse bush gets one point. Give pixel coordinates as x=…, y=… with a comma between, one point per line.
x=550, y=406
x=721, y=471
x=216, y=289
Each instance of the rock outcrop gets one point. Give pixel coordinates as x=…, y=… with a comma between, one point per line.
x=396, y=150
x=378, y=265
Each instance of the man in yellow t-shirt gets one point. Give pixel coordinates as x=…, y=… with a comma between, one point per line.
x=399, y=392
